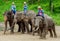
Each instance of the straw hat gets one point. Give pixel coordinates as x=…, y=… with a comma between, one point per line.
x=13, y=3
x=39, y=6
x=24, y=2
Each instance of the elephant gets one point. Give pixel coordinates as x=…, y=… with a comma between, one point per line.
x=8, y=17
x=22, y=20
x=51, y=26
x=40, y=26
x=11, y=18
x=18, y=19
x=48, y=25
x=31, y=14
x=26, y=18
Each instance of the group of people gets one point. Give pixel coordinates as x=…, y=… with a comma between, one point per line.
x=40, y=10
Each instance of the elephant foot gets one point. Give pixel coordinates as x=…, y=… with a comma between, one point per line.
x=41, y=37
x=51, y=36
x=30, y=30
x=55, y=36
x=22, y=32
x=33, y=33
x=4, y=33
x=28, y=33
x=11, y=32
x=18, y=31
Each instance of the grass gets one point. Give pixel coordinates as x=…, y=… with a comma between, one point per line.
x=19, y=4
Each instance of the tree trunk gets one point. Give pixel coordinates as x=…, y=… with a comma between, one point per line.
x=38, y=2
x=51, y=5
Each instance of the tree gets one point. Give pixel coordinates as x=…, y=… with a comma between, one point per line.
x=38, y=2
x=32, y=1
x=51, y=6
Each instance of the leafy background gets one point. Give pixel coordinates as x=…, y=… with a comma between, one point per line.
x=6, y=5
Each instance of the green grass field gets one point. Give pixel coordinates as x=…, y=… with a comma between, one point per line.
x=5, y=5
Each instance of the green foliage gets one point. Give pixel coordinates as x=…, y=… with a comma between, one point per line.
x=6, y=5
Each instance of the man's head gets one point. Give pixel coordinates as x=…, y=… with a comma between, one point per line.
x=39, y=7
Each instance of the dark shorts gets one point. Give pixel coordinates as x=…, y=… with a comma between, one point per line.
x=40, y=15
x=14, y=11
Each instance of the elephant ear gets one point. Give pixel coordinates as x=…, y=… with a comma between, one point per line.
x=5, y=13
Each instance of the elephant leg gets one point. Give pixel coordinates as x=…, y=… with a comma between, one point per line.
x=10, y=24
x=31, y=27
x=55, y=35
x=40, y=32
x=34, y=31
x=51, y=35
x=12, y=30
x=27, y=26
x=12, y=27
x=22, y=28
x=19, y=29
x=44, y=34
x=5, y=27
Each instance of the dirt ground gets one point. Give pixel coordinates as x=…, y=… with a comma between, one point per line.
x=25, y=37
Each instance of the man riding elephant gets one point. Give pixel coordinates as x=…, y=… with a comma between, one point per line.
x=13, y=8
x=40, y=11
x=25, y=8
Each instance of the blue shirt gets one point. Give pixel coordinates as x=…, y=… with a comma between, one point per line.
x=13, y=7
x=41, y=12
x=25, y=7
